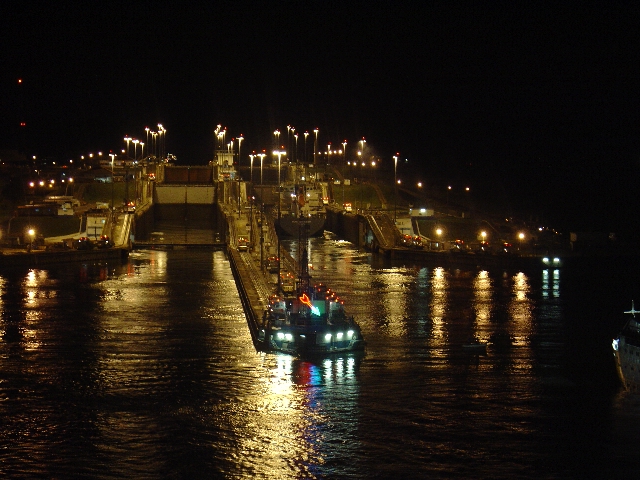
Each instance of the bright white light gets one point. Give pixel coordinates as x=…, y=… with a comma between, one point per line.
x=340, y=335
x=350, y=334
x=288, y=337
x=556, y=260
x=280, y=335
x=327, y=337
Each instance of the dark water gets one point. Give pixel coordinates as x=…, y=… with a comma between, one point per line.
x=147, y=370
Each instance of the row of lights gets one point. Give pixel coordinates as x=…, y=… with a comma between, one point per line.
x=339, y=336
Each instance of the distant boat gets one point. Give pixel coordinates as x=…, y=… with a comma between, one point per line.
x=475, y=348
x=626, y=350
x=301, y=200
x=288, y=225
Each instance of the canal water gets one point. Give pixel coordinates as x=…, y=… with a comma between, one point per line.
x=147, y=370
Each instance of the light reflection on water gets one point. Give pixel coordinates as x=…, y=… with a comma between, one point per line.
x=147, y=370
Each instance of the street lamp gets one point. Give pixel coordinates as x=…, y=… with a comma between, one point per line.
x=306, y=134
x=127, y=139
x=251, y=157
x=70, y=180
x=240, y=138
x=112, y=155
x=276, y=134
x=279, y=154
x=135, y=148
x=295, y=135
x=154, y=143
x=395, y=187
x=146, y=129
x=344, y=151
x=261, y=155
x=32, y=233
x=163, y=133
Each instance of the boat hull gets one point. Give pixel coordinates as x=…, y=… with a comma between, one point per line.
x=288, y=225
x=627, y=356
x=307, y=342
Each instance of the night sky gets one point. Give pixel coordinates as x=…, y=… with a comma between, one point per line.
x=535, y=106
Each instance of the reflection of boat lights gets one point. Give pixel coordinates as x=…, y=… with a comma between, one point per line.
x=548, y=261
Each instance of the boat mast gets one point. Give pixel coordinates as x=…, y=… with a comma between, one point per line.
x=303, y=254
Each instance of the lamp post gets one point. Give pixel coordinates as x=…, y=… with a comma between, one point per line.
x=315, y=146
x=32, y=233
x=163, y=135
x=240, y=139
x=219, y=147
x=136, y=171
x=147, y=129
x=306, y=134
x=276, y=135
x=251, y=157
x=279, y=154
x=160, y=132
x=344, y=152
x=395, y=187
x=261, y=155
x=127, y=139
x=70, y=180
x=112, y=155
x=135, y=148
x=295, y=135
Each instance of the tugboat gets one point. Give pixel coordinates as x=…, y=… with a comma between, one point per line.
x=626, y=350
x=310, y=320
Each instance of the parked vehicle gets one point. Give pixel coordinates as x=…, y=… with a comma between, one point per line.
x=83, y=243
x=458, y=247
x=243, y=244
x=104, y=242
x=272, y=264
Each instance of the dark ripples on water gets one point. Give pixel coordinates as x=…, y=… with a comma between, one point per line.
x=147, y=370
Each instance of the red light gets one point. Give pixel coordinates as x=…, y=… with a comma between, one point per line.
x=304, y=299
x=19, y=80
x=23, y=124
